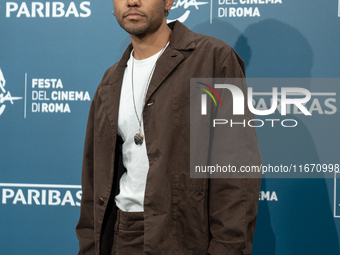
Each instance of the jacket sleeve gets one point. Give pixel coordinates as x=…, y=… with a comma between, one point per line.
x=233, y=202
x=85, y=226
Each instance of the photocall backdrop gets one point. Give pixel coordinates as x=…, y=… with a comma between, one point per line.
x=52, y=57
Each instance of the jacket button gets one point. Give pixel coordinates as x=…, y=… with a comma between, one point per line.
x=100, y=201
x=149, y=103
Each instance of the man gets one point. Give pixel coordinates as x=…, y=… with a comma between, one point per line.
x=138, y=197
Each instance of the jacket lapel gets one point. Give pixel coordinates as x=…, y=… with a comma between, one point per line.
x=182, y=39
x=165, y=64
x=110, y=93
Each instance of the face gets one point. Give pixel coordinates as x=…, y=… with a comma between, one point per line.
x=140, y=17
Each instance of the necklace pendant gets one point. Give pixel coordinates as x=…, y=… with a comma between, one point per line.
x=139, y=138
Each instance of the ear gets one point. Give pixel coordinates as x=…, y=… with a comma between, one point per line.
x=168, y=4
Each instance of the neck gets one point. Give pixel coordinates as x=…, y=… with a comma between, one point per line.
x=150, y=44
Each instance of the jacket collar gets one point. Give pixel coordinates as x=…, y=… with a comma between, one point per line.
x=182, y=39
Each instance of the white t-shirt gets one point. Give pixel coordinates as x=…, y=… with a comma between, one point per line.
x=135, y=159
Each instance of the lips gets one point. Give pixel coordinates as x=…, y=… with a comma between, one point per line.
x=133, y=15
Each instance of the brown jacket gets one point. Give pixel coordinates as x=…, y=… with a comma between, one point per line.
x=183, y=216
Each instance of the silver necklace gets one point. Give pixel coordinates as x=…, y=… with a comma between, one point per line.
x=139, y=137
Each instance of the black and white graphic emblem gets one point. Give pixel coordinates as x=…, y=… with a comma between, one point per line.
x=5, y=95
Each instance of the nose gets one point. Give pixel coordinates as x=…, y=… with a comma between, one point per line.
x=133, y=3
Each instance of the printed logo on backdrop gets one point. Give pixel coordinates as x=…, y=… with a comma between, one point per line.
x=5, y=95
x=58, y=9
x=268, y=196
x=40, y=194
x=50, y=96
x=242, y=8
x=182, y=9
x=47, y=95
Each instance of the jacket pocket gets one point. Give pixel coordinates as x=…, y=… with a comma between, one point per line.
x=190, y=227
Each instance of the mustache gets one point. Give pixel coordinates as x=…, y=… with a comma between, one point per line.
x=134, y=10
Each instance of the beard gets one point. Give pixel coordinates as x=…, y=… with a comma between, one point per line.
x=148, y=24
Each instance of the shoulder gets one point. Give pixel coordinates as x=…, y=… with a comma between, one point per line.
x=212, y=45
x=106, y=80
x=184, y=39
x=226, y=60
x=107, y=75
x=116, y=70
